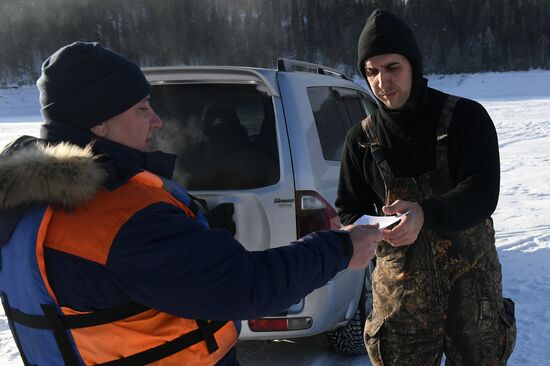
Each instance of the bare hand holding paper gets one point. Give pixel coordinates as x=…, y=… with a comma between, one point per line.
x=383, y=221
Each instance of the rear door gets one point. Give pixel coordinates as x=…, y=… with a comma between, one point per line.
x=232, y=152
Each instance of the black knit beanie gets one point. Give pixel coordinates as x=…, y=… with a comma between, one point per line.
x=386, y=33
x=84, y=84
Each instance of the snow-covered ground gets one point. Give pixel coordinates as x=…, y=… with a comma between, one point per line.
x=519, y=103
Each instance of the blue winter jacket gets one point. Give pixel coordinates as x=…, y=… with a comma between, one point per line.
x=162, y=259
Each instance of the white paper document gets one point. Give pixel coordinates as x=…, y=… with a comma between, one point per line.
x=383, y=221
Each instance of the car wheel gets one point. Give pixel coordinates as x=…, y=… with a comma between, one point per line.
x=348, y=339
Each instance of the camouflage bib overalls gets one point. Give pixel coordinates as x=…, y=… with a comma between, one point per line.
x=444, y=292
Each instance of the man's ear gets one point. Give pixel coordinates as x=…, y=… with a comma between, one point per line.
x=99, y=130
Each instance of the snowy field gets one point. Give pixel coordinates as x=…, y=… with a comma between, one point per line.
x=519, y=103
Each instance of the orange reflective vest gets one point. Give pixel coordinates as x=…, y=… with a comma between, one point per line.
x=47, y=333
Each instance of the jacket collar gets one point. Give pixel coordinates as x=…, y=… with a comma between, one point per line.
x=120, y=161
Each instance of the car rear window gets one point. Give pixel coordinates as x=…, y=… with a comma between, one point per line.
x=335, y=111
x=224, y=135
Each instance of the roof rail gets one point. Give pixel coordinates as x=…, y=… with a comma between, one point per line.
x=284, y=64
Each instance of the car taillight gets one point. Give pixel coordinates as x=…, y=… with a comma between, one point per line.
x=279, y=324
x=314, y=213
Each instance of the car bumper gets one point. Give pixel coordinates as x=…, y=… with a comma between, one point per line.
x=328, y=307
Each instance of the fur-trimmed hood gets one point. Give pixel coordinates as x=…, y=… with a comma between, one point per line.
x=62, y=175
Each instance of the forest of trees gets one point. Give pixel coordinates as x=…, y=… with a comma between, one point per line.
x=455, y=36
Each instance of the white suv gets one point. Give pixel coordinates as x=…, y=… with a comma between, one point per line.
x=261, y=149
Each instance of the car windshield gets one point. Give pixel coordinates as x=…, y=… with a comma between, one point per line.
x=224, y=135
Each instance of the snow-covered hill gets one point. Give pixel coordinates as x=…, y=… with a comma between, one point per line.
x=519, y=103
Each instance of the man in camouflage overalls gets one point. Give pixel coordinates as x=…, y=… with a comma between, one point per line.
x=437, y=284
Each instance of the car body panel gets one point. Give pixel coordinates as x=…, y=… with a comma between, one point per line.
x=265, y=217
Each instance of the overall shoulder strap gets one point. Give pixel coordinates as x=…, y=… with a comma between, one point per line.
x=367, y=125
x=443, y=129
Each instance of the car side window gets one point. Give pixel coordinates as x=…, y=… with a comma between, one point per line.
x=335, y=111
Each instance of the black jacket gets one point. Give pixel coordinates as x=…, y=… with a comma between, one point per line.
x=408, y=141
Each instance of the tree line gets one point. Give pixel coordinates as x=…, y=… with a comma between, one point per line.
x=455, y=36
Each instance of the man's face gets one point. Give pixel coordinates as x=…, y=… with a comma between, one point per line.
x=134, y=127
x=390, y=79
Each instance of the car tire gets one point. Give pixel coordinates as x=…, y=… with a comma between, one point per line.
x=348, y=339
